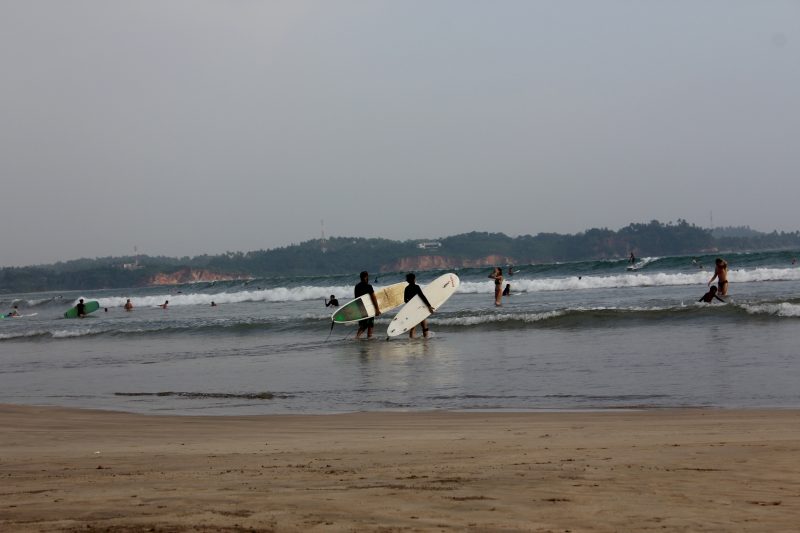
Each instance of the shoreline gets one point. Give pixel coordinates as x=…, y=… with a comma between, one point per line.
x=691, y=469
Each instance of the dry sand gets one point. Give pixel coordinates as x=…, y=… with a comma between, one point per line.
x=653, y=470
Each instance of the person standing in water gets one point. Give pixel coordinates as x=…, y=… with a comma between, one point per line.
x=721, y=275
x=363, y=287
x=415, y=290
x=81, y=308
x=497, y=276
x=332, y=302
x=128, y=305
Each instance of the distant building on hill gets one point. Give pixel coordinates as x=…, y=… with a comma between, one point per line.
x=132, y=266
x=428, y=245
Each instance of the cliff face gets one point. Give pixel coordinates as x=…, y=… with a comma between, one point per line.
x=187, y=275
x=439, y=262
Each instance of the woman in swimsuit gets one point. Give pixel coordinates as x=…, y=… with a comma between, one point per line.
x=497, y=276
x=721, y=275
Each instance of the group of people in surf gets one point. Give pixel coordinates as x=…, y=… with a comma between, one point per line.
x=367, y=325
x=714, y=292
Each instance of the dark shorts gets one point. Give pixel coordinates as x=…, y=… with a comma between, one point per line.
x=366, y=323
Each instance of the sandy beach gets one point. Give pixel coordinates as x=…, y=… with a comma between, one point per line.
x=653, y=470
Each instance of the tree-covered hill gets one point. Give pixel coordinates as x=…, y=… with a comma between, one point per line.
x=350, y=254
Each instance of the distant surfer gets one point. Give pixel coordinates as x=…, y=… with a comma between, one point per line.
x=721, y=275
x=363, y=287
x=497, y=276
x=710, y=295
x=696, y=263
x=81, y=308
x=333, y=302
x=632, y=259
x=164, y=305
x=507, y=289
x=14, y=311
x=128, y=305
x=213, y=303
x=415, y=290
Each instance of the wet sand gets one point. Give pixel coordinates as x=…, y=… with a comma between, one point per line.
x=653, y=470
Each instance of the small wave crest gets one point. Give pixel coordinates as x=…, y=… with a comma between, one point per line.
x=208, y=395
x=500, y=318
x=23, y=334
x=783, y=309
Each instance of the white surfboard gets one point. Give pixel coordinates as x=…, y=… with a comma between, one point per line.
x=360, y=308
x=415, y=311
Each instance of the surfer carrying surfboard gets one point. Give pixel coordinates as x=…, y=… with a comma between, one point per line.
x=415, y=290
x=363, y=287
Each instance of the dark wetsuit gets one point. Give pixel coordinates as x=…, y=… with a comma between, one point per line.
x=709, y=297
x=81, y=309
x=361, y=289
x=415, y=290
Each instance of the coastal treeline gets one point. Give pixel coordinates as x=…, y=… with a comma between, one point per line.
x=351, y=254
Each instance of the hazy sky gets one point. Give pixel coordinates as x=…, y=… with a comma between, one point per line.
x=190, y=127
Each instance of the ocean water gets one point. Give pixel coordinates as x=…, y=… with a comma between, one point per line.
x=583, y=335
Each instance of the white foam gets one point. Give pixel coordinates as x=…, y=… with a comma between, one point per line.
x=278, y=294
x=69, y=333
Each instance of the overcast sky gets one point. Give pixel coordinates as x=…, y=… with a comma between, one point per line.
x=190, y=127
